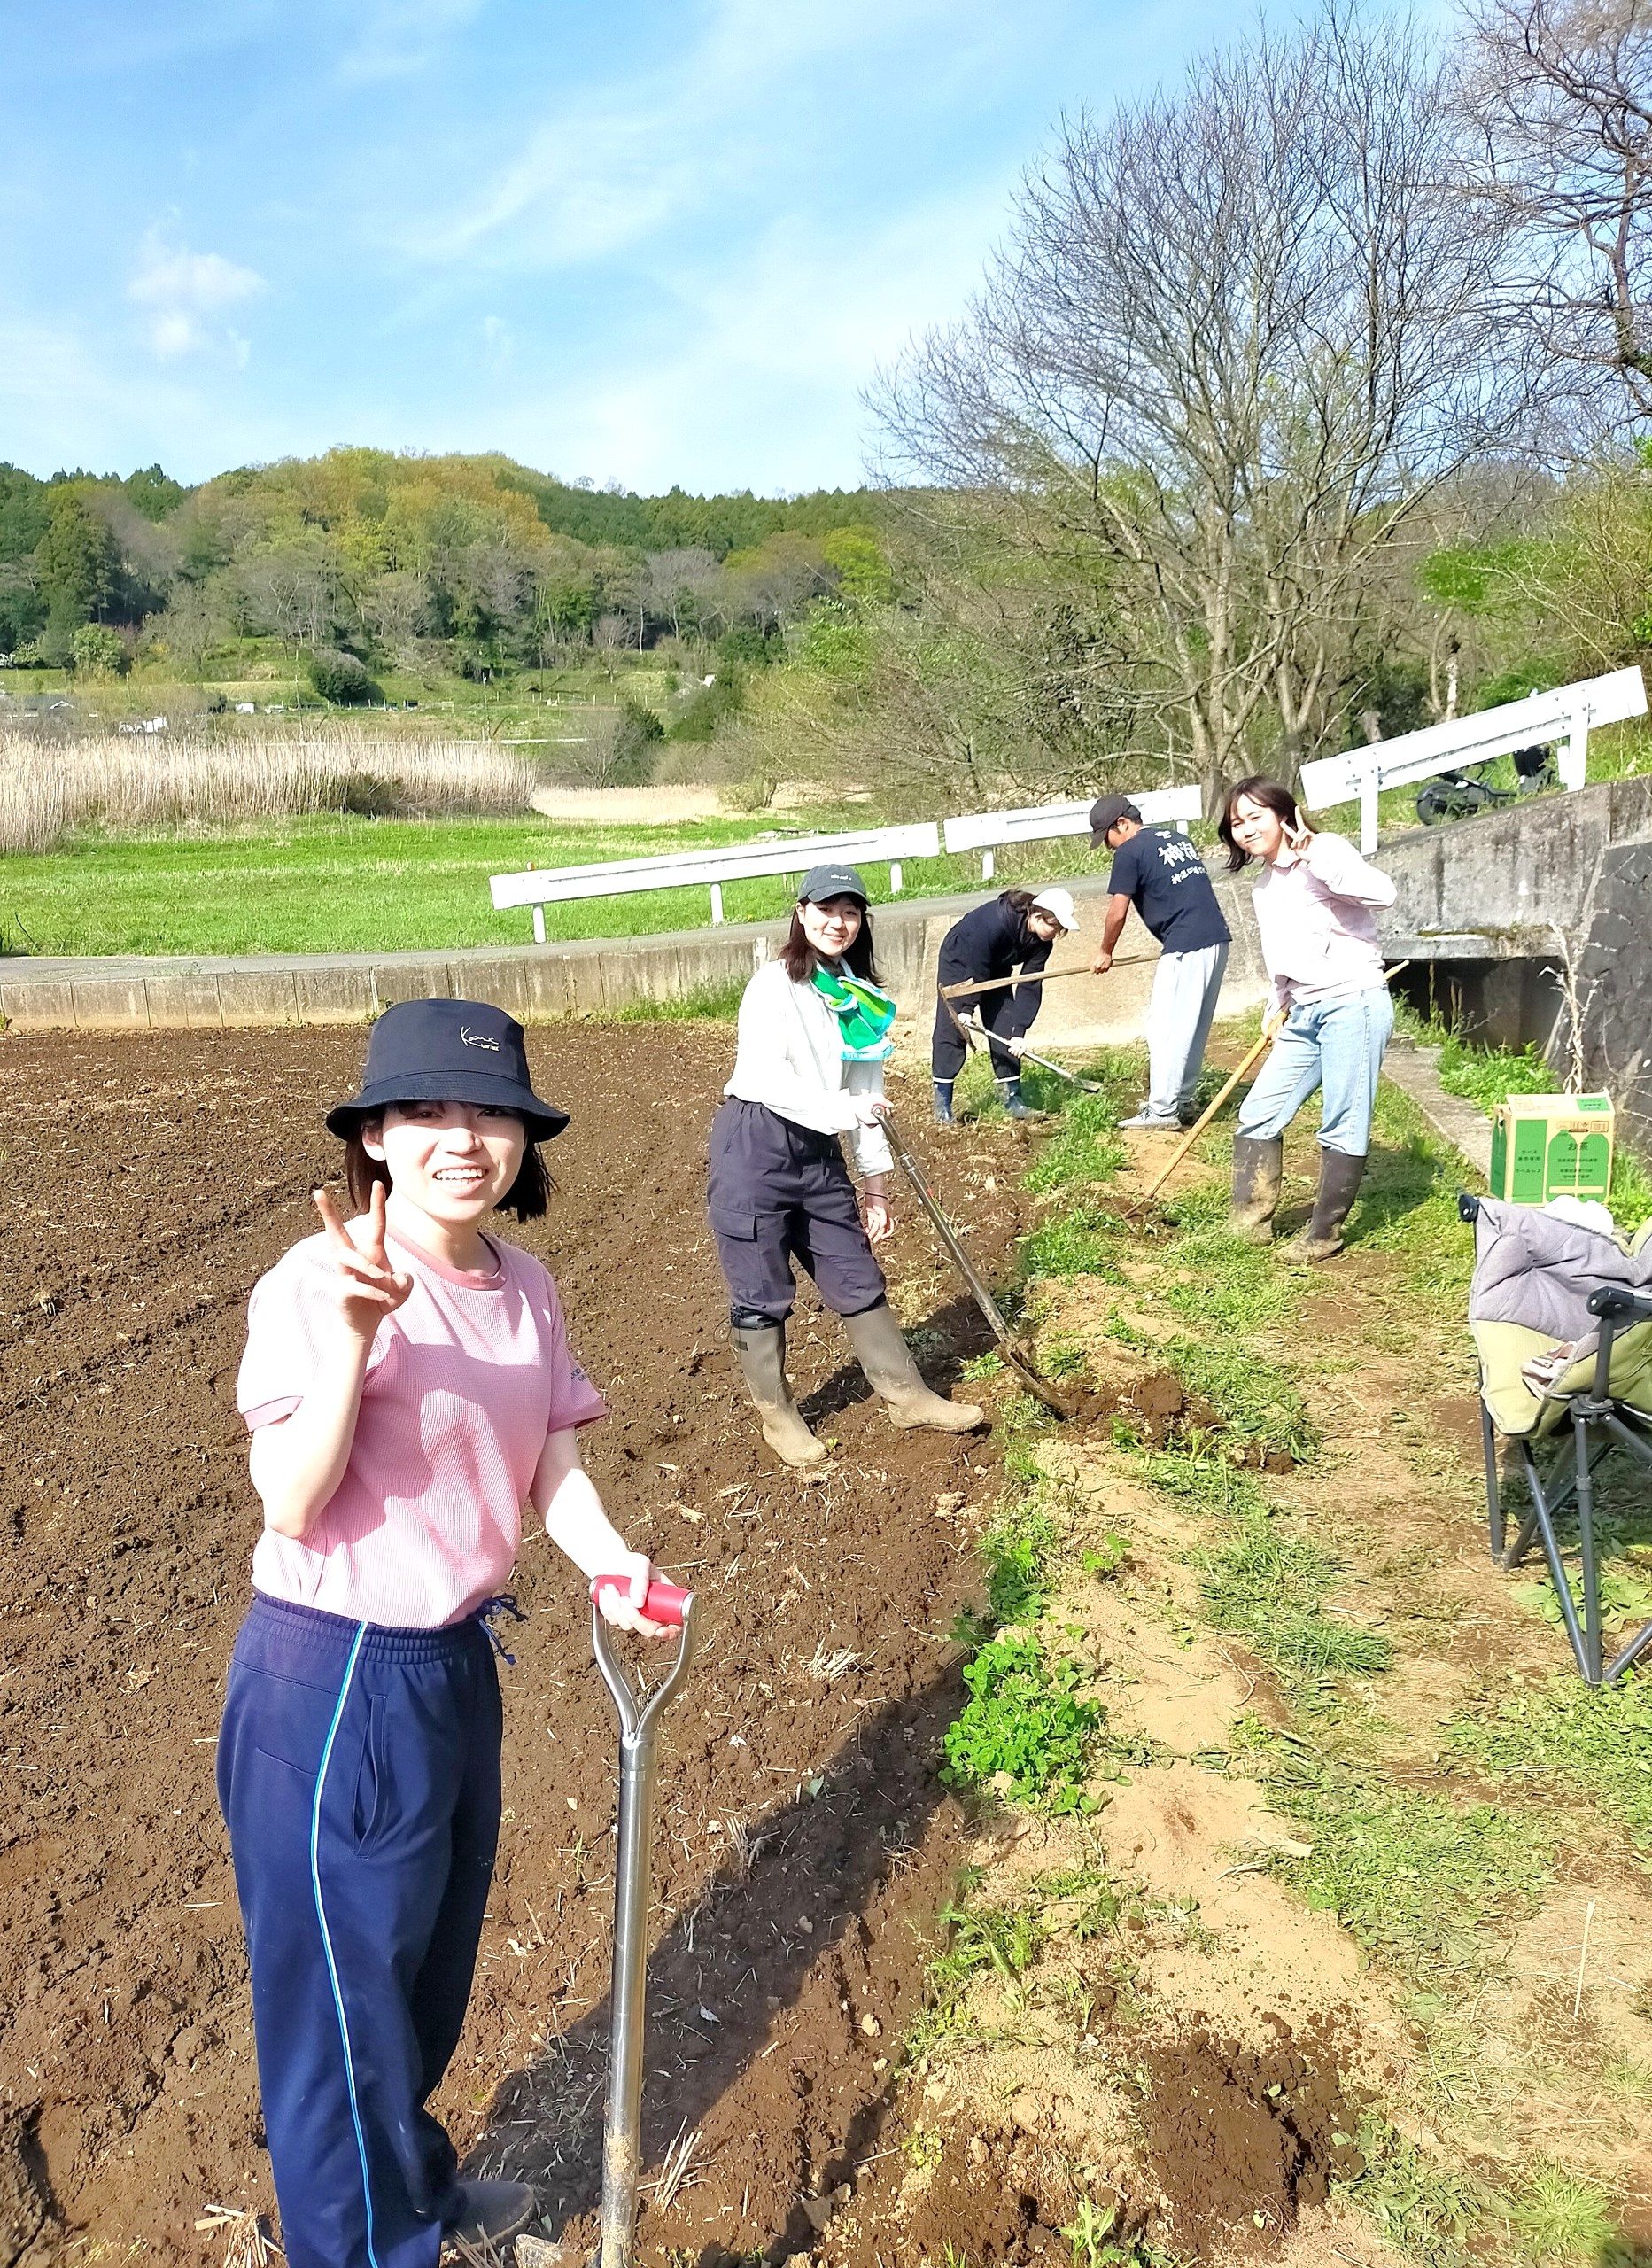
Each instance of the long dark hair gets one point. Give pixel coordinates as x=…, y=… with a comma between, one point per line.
x=801, y=959
x=1018, y=901
x=527, y=1197
x=1257, y=790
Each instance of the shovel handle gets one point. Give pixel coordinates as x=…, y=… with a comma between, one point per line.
x=666, y=1602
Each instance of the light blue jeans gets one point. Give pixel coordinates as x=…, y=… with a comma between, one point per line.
x=1337, y=1044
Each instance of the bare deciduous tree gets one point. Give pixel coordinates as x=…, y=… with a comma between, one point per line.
x=1237, y=338
x=1560, y=94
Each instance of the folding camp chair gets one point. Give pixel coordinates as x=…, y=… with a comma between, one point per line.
x=1603, y=1401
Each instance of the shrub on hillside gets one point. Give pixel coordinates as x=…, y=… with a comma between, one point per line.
x=636, y=747
x=99, y=651
x=341, y=679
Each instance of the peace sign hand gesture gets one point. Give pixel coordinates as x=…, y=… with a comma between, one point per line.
x=366, y=1287
x=1298, y=837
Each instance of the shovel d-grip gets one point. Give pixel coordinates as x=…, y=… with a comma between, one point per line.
x=639, y=1718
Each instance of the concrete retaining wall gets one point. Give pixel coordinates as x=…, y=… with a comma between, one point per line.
x=1494, y=909
x=592, y=977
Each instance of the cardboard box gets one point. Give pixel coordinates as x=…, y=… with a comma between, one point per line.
x=1552, y=1146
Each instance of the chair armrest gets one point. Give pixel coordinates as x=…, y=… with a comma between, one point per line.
x=1620, y=1305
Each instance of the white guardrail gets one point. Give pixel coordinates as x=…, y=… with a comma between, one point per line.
x=1565, y=714
x=985, y=831
x=543, y=886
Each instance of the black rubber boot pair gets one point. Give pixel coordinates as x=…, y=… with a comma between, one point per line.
x=944, y=1102
x=1258, y=1169
x=1009, y=1096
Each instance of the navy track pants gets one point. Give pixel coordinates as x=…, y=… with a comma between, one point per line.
x=358, y=1772
x=776, y=1192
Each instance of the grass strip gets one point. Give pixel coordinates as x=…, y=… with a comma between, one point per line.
x=1562, y=1740
x=1414, y=1877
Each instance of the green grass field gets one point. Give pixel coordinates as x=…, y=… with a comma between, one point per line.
x=334, y=884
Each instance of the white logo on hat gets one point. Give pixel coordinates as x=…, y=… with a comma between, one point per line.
x=477, y=1039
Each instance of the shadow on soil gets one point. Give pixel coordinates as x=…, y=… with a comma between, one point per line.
x=835, y=1885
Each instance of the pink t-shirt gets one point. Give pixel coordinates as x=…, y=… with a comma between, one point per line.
x=464, y=1383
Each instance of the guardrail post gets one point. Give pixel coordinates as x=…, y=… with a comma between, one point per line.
x=539, y=925
x=1574, y=761
x=1370, y=784
x=717, y=901
x=894, y=878
x=987, y=867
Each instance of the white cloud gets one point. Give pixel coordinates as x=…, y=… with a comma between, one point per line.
x=612, y=166
x=401, y=37
x=183, y=289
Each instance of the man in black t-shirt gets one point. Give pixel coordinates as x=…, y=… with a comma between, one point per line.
x=1163, y=877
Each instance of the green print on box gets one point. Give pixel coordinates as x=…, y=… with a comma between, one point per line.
x=1552, y=1146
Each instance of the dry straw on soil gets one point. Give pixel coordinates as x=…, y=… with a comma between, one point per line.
x=50, y=788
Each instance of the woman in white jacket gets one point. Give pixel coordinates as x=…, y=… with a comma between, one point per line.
x=814, y=1035
x=1317, y=911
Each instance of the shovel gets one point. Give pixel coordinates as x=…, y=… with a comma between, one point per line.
x=639, y=1715
x=1014, y=1352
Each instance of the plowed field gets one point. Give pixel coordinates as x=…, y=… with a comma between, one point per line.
x=804, y=1843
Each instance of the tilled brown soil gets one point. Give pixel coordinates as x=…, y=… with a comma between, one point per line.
x=805, y=1843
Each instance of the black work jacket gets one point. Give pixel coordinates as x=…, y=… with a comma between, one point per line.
x=994, y=941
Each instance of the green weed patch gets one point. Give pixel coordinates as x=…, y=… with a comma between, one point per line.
x=1026, y=1728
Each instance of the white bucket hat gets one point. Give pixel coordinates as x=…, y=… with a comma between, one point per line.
x=1059, y=902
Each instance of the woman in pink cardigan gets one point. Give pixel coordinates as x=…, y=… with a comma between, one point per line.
x=1315, y=908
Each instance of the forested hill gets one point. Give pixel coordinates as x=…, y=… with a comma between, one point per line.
x=377, y=550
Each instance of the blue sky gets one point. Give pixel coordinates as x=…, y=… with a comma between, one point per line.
x=663, y=242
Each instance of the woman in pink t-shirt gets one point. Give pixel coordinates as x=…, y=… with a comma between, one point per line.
x=408, y=1387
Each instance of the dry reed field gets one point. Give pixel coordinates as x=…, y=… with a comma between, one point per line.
x=51, y=789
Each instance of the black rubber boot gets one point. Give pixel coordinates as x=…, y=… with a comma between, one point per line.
x=1258, y=1169
x=762, y=1357
x=944, y=1102
x=1009, y=1096
x=491, y=2212
x=881, y=1350
x=1340, y=1175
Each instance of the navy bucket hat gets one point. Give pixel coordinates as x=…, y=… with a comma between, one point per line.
x=447, y=1050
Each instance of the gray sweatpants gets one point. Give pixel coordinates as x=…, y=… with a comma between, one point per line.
x=1179, y=1016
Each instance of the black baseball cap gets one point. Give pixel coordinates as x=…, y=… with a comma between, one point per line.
x=821, y=882
x=447, y=1050
x=1106, y=812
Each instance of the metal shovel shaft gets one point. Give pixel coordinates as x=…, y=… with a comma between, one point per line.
x=622, y=2137
x=638, y=1721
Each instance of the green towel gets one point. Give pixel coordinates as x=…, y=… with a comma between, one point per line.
x=863, y=1014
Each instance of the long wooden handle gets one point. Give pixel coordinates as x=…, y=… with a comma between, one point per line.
x=1041, y=976
x=1271, y=1030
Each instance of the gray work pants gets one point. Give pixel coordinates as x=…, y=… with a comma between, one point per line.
x=1179, y=1017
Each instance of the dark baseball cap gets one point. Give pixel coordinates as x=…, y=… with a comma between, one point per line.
x=821, y=882
x=447, y=1050
x=1106, y=812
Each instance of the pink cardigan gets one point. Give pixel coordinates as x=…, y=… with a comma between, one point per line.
x=1317, y=918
